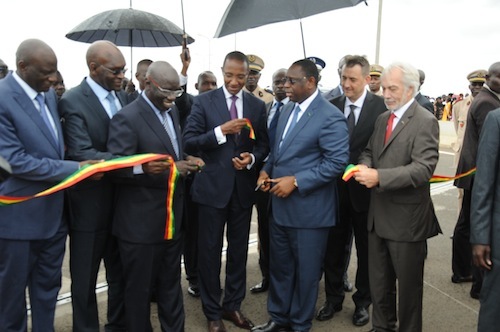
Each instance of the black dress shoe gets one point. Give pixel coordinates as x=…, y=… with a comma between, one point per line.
x=216, y=326
x=361, y=316
x=238, y=319
x=260, y=287
x=458, y=280
x=474, y=294
x=271, y=327
x=327, y=311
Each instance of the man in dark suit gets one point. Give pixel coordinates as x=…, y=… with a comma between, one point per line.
x=311, y=149
x=485, y=214
x=32, y=233
x=337, y=91
x=216, y=130
x=486, y=101
x=422, y=100
x=262, y=198
x=87, y=110
x=397, y=164
x=151, y=125
x=361, y=109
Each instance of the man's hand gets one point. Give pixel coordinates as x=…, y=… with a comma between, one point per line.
x=233, y=126
x=241, y=162
x=185, y=59
x=368, y=177
x=184, y=167
x=197, y=162
x=481, y=256
x=283, y=186
x=156, y=166
x=263, y=182
x=96, y=176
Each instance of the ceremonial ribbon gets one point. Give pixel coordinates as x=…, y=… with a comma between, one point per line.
x=351, y=169
x=109, y=165
x=248, y=125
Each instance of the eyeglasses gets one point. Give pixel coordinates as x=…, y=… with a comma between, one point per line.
x=292, y=80
x=115, y=72
x=175, y=93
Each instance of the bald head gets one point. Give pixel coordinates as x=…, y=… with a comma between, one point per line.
x=163, y=73
x=493, y=77
x=106, y=64
x=162, y=84
x=36, y=64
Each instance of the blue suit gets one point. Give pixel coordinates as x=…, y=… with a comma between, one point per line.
x=316, y=152
x=32, y=233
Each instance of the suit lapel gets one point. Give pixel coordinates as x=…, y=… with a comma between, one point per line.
x=94, y=102
x=401, y=123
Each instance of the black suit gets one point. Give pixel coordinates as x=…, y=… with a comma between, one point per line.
x=424, y=102
x=482, y=104
x=354, y=202
x=139, y=222
x=90, y=207
x=224, y=194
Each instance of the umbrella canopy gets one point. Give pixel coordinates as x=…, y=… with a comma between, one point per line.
x=242, y=15
x=129, y=27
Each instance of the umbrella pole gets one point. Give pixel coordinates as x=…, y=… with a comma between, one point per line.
x=302, y=34
x=131, y=58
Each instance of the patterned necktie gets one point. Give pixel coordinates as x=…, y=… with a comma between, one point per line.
x=388, y=130
x=351, y=120
x=112, y=104
x=274, y=124
x=173, y=139
x=232, y=110
x=43, y=112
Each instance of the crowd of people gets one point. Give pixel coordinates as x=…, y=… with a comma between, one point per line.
x=282, y=150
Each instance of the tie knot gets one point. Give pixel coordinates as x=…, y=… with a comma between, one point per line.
x=110, y=97
x=278, y=105
x=234, y=97
x=353, y=107
x=40, y=98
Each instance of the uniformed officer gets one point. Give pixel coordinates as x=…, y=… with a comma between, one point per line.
x=460, y=109
x=374, y=85
x=256, y=64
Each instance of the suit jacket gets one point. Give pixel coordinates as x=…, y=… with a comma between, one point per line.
x=140, y=213
x=86, y=126
x=316, y=152
x=215, y=184
x=401, y=207
x=483, y=103
x=36, y=161
x=373, y=106
x=332, y=94
x=485, y=210
x=424, y=102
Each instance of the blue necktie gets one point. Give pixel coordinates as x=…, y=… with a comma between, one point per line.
x=274, y=124
x=171, y=134
x=43, y=112
x=292, y=123
x=112, y=104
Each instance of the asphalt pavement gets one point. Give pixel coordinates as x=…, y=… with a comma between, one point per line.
x=446, y=306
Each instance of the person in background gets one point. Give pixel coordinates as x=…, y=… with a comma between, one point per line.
x=59, y=86
x=217, y=132
x=438, y=108
x=485, y=101
x=32, y=233
x=255, y=65
x=4, y=69
x=397, y=165
x=337, y=91
x=374, y=85
x=87, y=110
x=423, y=100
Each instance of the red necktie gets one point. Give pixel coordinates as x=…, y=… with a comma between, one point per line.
x=388, y=130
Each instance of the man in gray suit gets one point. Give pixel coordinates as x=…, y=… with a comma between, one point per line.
x=397, y=164
x=485, y=214
x=310, y=151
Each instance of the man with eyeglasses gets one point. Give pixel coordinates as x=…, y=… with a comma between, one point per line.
x=4, y=69
x=151, y=262
x=310, y=151
x=86, y=111
x=220, y=129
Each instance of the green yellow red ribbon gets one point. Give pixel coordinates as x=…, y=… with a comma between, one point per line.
x=351, y=169
x=249, y=126
x=109, y=165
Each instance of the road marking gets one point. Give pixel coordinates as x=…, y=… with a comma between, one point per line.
x=451, y=297
x=448, y=153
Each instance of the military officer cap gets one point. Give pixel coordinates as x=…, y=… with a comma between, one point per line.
x=318, y=62
x=376, y=70
x=255, y=62
x=477, y=76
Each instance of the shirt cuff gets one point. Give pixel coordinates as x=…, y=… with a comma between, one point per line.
x=249, y=166
x=183, y=80
x=221, y=138
x=138, y=169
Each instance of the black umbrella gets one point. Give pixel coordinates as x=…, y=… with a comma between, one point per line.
x=129, y=27
x=242, y=15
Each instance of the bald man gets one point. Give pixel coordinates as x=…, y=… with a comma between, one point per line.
x=32, y=233
x=87, y=110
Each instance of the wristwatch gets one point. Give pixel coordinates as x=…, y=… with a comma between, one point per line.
x=295, y=183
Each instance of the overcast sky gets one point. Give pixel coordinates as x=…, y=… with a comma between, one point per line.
x=445, y=38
